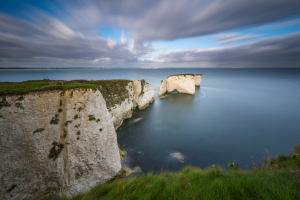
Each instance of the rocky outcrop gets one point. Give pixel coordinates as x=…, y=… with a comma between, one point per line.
x=62, y=142
x=198, y=79
x=183, y=83
x=163, y=87
x=140, y=93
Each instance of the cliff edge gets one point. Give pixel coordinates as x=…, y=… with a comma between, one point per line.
x=58, y=137
x=183, y=83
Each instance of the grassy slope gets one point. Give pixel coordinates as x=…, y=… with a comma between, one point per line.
x=274, y=181
x=113, y=91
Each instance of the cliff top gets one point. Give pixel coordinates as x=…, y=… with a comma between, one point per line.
x=25, y=87
x=181, y=74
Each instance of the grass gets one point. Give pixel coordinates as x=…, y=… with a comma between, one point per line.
x=181, y=74
x=113, y=91
x=276, y=180
x=19, y=88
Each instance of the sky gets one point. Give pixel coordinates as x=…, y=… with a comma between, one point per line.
x=150, y=34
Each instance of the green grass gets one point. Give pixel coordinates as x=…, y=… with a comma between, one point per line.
x=18, y=88
x=113, y=91
x=181, y=74
x=276, y=180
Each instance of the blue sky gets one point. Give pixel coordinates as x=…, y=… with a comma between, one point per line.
x=182, y=33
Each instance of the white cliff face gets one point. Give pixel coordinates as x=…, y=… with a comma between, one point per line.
x=143, y=94
x=62, y=143
x=56, y=144
x=184, y=83
x=138, y=97
x=198, y=79
x=163, y=87
x=124, y=110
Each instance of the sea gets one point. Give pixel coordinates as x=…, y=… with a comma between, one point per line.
x=236, y=115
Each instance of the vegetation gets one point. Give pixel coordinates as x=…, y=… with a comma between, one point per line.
x=143, y=82
x=92, y=118
x=54, y=120
x=181, y=74
x=4, y=103
x=279, y=178
x=55, y=150
x=67, y=122
x=113, y=91
x=39, y=130
x=18, y=88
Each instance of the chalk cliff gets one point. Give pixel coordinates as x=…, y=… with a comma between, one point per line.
x=63, y=142
x=198, y=79
x=183, y=83
x=140, y=94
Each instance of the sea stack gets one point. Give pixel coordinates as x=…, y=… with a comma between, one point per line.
x=198, y=79
x=183, y=83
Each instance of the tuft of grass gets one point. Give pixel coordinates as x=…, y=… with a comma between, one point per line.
x=54, y=120
x=91, y=118
x=67, y=122
x=59, y=110
x=76, y=117
x=143, y=82
x=19, y=105
x=78, y=133
x=39, y=130
x=56, y=149
x=20, y=98
x=100, y=129
x=4, y=103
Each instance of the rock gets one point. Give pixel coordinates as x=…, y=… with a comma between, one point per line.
x=178, y=156
x=141, y=94
x=198, y=79
x=62, y=142
x=183, y=83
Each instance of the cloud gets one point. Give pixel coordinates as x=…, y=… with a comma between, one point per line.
x=282, y=50
x=70, y=34
x=50, y=37
x=232, y=38
x=169, y=20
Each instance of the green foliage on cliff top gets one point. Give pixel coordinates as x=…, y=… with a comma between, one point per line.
x=181, y=74
x=278, y=179
x=113, y=91
x=18, y=88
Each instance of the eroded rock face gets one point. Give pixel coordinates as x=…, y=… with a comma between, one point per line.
x=163, y=87
x=56, y=143
x=198, y=79
x=141, y=94
x=182, y=83
x=62, y=143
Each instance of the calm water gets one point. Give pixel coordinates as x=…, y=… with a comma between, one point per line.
x=235, y=114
